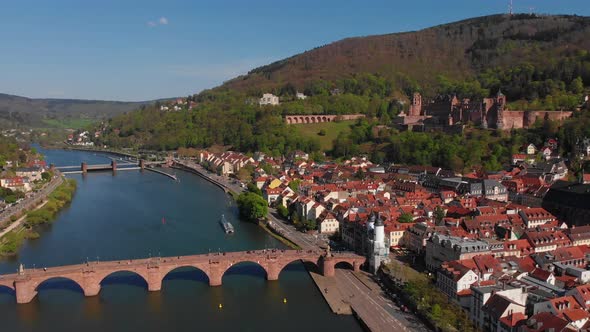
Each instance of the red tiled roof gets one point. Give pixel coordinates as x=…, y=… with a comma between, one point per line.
x=546, y=321
x=513, y=320
x=573, y=315
x=540, y=274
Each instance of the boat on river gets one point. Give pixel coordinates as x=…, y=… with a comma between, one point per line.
x=227, y=226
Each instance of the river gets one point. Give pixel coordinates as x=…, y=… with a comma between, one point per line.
x=138, y=214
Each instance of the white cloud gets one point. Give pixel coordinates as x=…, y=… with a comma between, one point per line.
x=161, y=21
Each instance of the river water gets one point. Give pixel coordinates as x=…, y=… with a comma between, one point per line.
x=136, y=214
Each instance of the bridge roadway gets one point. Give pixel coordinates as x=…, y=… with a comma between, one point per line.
x=89, y=276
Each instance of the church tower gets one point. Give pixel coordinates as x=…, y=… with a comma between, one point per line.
x=378, y=250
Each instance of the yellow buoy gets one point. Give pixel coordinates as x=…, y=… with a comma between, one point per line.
x=220, y=306
x=285, y=300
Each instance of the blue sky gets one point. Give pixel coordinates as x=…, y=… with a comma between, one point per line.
x=147, y=49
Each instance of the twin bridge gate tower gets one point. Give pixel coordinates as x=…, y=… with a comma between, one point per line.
x=88, y=276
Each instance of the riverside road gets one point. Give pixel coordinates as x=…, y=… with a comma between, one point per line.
x=30, y=202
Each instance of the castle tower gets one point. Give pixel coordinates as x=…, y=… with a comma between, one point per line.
x=416, y=107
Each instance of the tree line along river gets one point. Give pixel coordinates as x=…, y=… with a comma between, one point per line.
x=121, y=217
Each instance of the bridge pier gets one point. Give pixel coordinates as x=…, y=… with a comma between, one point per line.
x=215, y=274
x=154, y=279
x=91, y=290
x=272, y=273
x=142, y=164
x=356, y=266
x=328, y=266
x=84, y=168
x=114, y=166
x=25, y=290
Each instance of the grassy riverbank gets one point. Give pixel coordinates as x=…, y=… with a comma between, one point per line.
x=279, y=237
x=60, y=197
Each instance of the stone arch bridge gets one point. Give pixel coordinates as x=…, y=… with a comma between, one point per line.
x=306, y=119
x=89, y=276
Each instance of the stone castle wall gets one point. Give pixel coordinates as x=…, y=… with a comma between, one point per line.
x=525, y=119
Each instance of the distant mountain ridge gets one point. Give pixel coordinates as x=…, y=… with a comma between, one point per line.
x=17, y=110
x=457, y=50
x=13, y=103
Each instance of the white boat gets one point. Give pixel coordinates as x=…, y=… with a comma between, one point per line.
x=227, y=226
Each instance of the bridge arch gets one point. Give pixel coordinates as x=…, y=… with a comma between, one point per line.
x=7, y=283
x=344, y=264
x=123, y=276
x=59, y=282
x=245, y=267
x=186, y=272
x=7, y=290
x=313, y=263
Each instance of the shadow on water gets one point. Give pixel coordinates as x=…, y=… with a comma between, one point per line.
x=187, y=273
x=7, y=291
x=124, y=278
x=60, y=284
x=249, y=269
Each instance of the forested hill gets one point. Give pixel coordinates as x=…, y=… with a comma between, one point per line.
x=16, y=110
x=537, y=62
x=457, y=50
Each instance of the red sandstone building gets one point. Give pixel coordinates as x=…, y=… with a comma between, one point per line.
x=446, y=111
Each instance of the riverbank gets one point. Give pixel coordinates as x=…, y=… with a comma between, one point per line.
x=279, y=237
x=203, y=173
x=45, y=212
x=234, y=190
x=151, y=169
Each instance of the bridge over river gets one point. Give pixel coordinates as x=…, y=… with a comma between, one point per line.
x=113, y=166
x=89, y=276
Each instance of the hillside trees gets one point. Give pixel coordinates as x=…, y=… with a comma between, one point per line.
x=222, y=119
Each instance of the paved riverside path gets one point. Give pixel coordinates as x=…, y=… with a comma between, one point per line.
x=219, y=180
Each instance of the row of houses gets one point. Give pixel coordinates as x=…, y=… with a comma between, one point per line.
x=24, y=177
x=227, y=163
